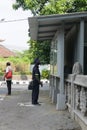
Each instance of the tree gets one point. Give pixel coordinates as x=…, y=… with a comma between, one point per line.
x=41, y=50
x=45, y=7
x=35, y=6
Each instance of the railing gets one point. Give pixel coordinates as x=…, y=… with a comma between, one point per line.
x=76, y=96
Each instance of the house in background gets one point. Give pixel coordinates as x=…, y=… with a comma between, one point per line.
x=5, y=52
x=1, y=40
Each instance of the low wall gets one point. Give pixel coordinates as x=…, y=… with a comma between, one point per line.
x=21, y=79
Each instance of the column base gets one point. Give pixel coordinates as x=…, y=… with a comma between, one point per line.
x=61, y=98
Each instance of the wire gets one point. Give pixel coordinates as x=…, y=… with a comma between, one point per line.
x=15, y=20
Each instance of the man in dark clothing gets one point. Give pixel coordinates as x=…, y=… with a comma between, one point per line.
x=36, y=82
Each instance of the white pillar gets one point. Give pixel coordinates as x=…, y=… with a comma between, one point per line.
x=61, y=96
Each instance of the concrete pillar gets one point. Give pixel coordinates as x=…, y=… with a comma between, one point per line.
x=81, y=43
x=61, y=96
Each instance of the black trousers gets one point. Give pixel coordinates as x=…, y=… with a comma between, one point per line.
x=35, y=94
x=9, y=86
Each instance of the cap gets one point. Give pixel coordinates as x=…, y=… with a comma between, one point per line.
x=37, y=61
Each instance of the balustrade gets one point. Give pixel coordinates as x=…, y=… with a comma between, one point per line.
x=76, y=94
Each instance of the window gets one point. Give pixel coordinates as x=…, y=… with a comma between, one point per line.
x=53, y=57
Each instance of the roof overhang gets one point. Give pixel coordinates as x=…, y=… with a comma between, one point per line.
x=44, y=27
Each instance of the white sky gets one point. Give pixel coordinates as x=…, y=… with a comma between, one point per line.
x=14, y=33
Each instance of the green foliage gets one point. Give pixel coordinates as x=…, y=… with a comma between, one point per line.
x=45, y=74
x=79, y=5
x=41, y=50
x=34, y=5
x=46, y=7
x=21, y=57
x=64, y=6
x=20, y=63
x=1, y=71
x=20, y=3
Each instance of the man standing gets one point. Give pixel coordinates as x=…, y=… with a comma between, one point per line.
x=36, y=82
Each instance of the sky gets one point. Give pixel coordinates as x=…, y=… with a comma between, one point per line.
x=14, y=34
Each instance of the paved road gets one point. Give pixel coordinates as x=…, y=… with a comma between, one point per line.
x=17, y=112
x=20, y=87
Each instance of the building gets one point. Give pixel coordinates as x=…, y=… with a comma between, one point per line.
x=5, y=52
x=68, y=36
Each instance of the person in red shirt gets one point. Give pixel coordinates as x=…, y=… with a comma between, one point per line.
x=8, y=77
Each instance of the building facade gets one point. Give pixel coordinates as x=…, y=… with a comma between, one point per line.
x=68, y=59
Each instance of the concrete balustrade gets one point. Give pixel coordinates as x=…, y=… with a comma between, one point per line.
x=76, y=97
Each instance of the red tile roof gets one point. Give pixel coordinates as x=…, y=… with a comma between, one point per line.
x=4, y=52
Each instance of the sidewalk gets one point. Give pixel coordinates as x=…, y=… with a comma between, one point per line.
x=17, y=113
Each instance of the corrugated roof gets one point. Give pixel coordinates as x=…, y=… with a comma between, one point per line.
x=45, y=27
x=4, y=52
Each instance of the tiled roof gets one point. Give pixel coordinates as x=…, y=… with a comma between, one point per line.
x=4, y=52
x=1, y=40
